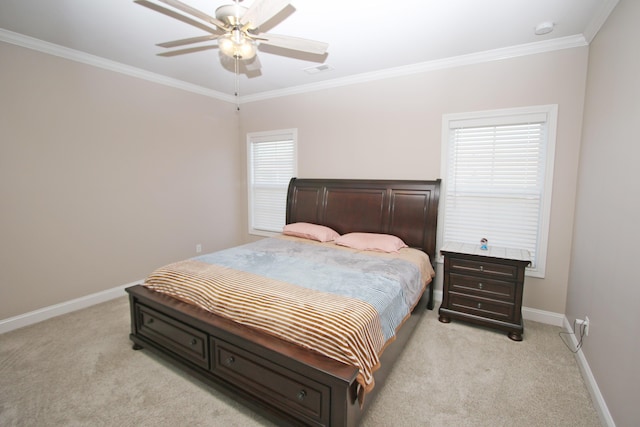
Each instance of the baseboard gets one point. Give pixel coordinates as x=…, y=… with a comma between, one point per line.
x=542, y=316
x=437, y=296
x=45, y=313
x=22, y=320
x=598, y=400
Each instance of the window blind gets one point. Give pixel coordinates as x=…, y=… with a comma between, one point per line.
x=495, y=183
x=272, y=164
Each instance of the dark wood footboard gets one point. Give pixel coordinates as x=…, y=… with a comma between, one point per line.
x=280, y=380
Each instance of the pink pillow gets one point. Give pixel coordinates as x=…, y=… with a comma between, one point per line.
x=310, y=231
x=371, y=242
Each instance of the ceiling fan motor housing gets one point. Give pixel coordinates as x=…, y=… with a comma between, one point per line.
x=230, y=14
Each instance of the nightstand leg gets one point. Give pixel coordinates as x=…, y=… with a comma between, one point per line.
x=444, y=319
x=515, y=336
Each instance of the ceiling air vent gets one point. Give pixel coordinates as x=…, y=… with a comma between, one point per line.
x=318, y=69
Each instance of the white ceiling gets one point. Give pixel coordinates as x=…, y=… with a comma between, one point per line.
x=367, y=38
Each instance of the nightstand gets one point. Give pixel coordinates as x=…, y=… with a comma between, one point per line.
x=484, y=287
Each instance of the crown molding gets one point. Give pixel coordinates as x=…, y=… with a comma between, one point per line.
x=452, y=62
x=439, y=64
x=96, y=61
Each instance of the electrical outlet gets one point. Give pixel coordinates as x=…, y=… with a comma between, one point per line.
x=198, y=248
x=583, y=325
x=586, y=325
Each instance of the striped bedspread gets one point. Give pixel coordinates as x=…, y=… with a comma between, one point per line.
x=342, y=303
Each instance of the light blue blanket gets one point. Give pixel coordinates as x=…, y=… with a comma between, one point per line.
x=391, y=286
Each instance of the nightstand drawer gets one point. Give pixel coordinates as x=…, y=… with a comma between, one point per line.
x=481, y=307
x=481, y=286
x=485, y=268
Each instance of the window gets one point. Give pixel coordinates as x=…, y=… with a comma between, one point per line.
x=272, y=162
x=498, y=169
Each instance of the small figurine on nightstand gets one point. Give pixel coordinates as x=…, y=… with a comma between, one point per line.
x=483, y=244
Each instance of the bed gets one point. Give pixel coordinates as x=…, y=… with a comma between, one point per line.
x=294, y=383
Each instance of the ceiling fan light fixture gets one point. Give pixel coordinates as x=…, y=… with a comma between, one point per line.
x=246, y=50
x=236, y=45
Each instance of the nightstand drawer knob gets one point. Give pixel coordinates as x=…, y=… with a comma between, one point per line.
x=479, y=305
x=480, y=285
x=481, y=268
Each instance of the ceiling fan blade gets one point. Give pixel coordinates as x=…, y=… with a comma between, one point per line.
x=177, y=16
x=195, y=12
x=295, y=43
x=261, y=11
x=191, y=40
x=253, y=64
x=188, y=50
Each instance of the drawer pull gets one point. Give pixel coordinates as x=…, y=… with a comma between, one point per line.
x=301, y=395
x=480, y=285
x=230, y=361
x=481, y=268
x=194, y=341
x=150, y=321
x=479, y=305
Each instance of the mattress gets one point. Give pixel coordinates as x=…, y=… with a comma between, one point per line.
x=343, y=303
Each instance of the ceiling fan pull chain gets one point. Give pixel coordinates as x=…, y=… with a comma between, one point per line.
x=237, y=91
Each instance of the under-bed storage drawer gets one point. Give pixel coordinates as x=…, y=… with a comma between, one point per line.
x=266, y=380
x=183, y=340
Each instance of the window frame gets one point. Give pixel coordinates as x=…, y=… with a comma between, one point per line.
x=260, y=137
x=498, y=117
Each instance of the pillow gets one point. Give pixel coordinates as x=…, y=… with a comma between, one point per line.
x=371, y=242
x=310, y=231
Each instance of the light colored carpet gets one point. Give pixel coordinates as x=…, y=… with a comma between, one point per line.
x=79, y=370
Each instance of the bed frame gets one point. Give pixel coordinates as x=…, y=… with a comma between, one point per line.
x=281, y=380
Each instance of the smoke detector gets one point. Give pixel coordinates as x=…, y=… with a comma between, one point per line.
x=544, y=28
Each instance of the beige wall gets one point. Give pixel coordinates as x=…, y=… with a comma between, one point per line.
x=392, y=129
x=100, y=169
x=104, y=177
x=604, y=283
x=89, y=153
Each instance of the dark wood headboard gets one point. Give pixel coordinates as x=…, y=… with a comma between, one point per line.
x=407, y=209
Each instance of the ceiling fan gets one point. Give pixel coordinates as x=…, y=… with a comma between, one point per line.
x=235, y=28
